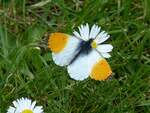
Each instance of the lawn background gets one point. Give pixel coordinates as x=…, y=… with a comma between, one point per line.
x=27, y=71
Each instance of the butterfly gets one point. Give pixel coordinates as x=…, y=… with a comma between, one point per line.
x=82, y=53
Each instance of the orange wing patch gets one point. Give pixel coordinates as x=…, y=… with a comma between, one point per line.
x=57, y=42
x=101, y=70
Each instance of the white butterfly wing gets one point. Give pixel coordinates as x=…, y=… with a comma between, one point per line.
x=64, y=48
x=92, y=65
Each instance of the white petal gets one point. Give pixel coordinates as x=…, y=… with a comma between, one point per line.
x=87, y=31
x=94, y=31
x=76, y=34
x=81, y=31
x=27, y=103
x=84, y=32
x=104, y=48
x=15, y=103
x=32, y=105
x=11, y=110
x=106, y=55
x=101, y=37
x=38, y=109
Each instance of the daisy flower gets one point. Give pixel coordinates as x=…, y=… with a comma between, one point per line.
x=95, y=37
x=24, y=105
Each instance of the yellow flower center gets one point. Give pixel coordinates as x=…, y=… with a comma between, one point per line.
x=27, y=111
x=93, y=44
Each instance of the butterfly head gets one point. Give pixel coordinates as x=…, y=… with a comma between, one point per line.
x=87, y=46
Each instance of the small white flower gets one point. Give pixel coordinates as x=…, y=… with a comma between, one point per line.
x=97, y=37
x=24, y=105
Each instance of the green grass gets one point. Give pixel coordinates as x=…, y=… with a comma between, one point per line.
x=29, y=72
